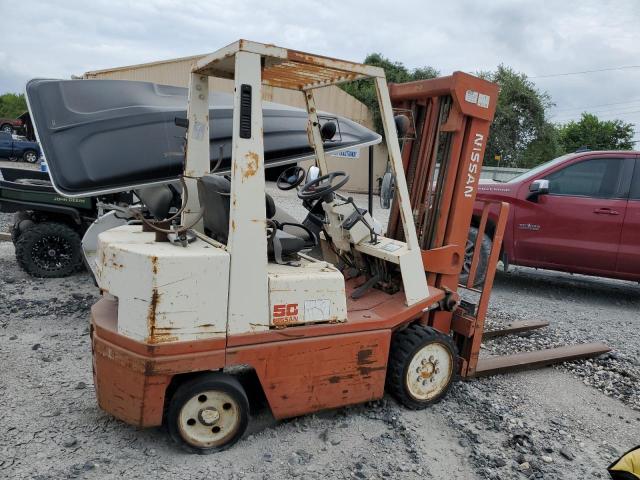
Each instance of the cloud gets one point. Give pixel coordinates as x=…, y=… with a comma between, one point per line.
x=58, y=39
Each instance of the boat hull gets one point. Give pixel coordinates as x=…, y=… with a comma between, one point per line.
x=102, y=136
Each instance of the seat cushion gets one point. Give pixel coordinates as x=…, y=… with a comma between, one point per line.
x=283, y=217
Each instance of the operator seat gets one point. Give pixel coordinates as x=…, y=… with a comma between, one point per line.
x=215, y=194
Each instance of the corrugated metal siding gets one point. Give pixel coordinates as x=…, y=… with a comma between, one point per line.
x=331, y=99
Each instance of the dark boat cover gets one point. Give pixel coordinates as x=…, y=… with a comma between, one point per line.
x=111, y=135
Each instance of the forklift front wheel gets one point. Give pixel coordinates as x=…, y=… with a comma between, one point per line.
x=422, y=365
x=208, y=413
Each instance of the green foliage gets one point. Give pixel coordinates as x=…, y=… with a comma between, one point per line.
x=12, y=105
x=595, y=134
x=396, y=72
x=520, y=133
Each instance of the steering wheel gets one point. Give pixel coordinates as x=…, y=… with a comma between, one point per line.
x=284, y=179
x=313, y=190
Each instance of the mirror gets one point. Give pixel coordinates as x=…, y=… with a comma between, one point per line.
x=402, y=125
x=537, y=188
x=328, y=131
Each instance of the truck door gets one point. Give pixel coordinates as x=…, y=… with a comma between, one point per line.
x=6, y=144
x=629, y=252
x=578, y=224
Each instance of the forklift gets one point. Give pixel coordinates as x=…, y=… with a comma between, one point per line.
x=230, y=283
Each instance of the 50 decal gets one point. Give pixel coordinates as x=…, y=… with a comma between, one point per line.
x=285, y=313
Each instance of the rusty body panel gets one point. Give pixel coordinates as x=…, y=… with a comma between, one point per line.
x=302, y=369
x=306, y=375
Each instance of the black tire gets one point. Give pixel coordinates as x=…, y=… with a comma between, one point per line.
x=16, y=228
x=30, y=156
x=485, y=251
x=6, y=128
x=208, y=390
x=406, y=345
x=49, y=250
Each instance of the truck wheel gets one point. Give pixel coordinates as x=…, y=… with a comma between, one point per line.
x=49, y=250
x=485, y=251
x=208, y=413
x=6, y=128
x=422, y=365
x=30, y=156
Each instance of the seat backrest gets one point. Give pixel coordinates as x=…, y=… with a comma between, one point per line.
x=158, y=199
x=215, y=193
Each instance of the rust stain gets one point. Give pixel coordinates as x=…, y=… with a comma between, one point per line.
x=154, y=267
x=338, y=378
x=157, y=335
x=253, y=161
x=366, y=371
x=364, y=356
x=153, y=305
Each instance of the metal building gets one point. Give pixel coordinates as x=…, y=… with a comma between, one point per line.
x=330, y=99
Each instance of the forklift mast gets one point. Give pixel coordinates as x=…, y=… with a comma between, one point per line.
x=442, y=155
x=452, y=116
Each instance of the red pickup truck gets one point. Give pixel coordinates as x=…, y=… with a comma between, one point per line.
x=10, y=125
x=578, y=213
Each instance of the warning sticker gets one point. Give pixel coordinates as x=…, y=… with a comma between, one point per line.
x=483, y=100
x=316, y=310
x=471, y=96
x=479, y=99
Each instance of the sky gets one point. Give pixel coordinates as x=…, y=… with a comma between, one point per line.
x=547, y=40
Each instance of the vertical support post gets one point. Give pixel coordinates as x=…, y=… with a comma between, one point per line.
x=314, y=131
x=370, y=192
x=413, y=276
x=395, y=156
x=247, y=244
x=197, y=155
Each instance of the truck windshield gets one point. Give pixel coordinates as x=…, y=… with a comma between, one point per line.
x=543, y=166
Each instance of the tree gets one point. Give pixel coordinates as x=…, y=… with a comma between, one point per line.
x=595, y=134
x=12, y=105
x=520, y=133
x=396, y=72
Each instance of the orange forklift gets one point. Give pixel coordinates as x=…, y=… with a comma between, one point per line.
x=231, y=284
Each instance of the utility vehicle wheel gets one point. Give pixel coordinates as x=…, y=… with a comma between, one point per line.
x=483, y=261
x=6, y=128
x=209, y=413
x=30, y=156
x=18, y=227
x=49, y=250
x=422, y=365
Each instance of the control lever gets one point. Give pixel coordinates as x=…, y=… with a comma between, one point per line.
x=372, y=233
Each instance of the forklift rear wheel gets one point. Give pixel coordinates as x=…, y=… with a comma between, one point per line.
x=208, y=413
x=422, y=365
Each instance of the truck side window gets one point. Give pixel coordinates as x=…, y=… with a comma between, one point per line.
x=635, y=183
x=598, y=178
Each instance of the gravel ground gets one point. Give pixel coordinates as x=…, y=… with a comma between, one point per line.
x=567, y=422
